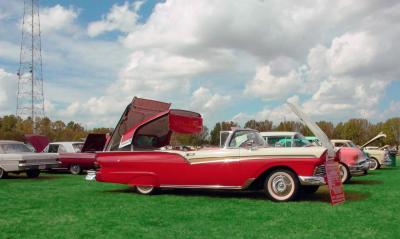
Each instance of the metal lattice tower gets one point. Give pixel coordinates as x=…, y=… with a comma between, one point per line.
x=30, y=98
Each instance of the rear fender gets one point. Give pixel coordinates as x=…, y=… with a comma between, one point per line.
x=144, y=179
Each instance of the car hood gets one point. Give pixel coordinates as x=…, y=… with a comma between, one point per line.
x=379, y=136
x=315, y=129
x=39, y=142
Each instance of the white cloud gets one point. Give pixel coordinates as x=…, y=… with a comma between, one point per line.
x=208, y=102
x=269, y=87
x=121, y=17
x=156, y=73
x=337, y=56
x=8, y=92
x=57, y=18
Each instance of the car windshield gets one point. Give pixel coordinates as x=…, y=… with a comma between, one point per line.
x=244, y=137
x=15, y=148
x=77, y=147
x=351, y=144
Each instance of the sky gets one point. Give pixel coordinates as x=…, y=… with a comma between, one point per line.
x=228, y=60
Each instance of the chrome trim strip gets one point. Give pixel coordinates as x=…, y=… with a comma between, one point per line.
x=243, y=158
x=200, y=186
x=312, y=180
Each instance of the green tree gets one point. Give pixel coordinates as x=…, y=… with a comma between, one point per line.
x=261, y=126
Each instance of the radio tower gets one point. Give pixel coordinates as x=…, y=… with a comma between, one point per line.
x=30, y=99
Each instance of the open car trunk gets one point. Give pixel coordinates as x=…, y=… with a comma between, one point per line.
x=94, y=142
x=149, y=124
x=39, y=142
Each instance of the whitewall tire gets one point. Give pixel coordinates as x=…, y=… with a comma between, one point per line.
x=145, y=190
x=344, y=173
x=281, y=185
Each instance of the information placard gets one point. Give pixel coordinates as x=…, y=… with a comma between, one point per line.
x=334, y=183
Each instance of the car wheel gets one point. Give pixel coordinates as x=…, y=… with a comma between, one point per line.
x=3, y=174
x=34, y=173
x=146, y=190
x=309, y=189
x=75, y=169
x=344, y=173
x=374, y=164
x=281, y=185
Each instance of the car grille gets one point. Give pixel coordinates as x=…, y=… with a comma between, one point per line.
x=320, y=170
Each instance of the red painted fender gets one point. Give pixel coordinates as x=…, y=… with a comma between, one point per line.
x=144, y=179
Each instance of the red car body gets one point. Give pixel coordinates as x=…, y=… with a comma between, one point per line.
x=134, y=155
x=76, y=162
x=172, y=170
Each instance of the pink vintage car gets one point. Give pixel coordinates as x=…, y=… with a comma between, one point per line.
x=136, y=156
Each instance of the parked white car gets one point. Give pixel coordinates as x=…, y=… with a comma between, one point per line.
x=64, y=147
x=379, y=156
x=17, y=157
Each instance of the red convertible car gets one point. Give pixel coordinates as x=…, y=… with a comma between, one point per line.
x=135, y=155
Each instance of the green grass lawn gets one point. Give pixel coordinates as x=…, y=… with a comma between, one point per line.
x=66, y=206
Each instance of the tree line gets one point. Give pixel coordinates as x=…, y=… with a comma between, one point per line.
x=15, y=128
x=357, y=130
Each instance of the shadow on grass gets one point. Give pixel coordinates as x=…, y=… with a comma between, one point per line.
x=322, y=195
x=365, y=182
x=24, y=177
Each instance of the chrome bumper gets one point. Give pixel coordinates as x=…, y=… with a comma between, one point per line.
x=311, y=180
x=359, y=168
x=387, y=162
x=91, y=175
x=40, y=166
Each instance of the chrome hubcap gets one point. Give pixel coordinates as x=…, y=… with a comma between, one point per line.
x=75, y=168
x=281, y=185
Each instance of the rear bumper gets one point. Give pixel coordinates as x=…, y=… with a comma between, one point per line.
x=38, y=166
x=311, y=180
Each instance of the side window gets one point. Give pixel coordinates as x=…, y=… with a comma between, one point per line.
x=339, y=145
x=46, y=150
x=61, y=149
x=281, y=141
x=298, y=141
x=53, y=148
